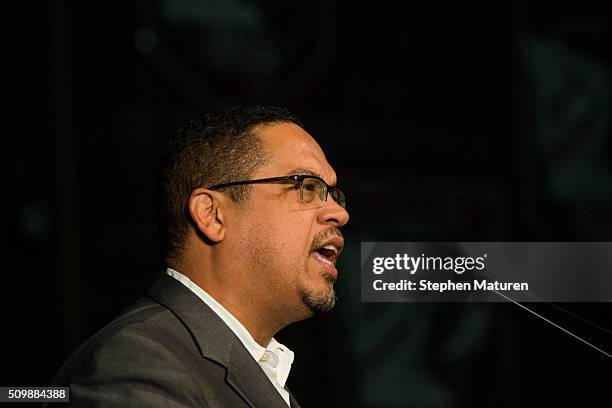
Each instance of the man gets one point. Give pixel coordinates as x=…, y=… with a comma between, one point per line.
x=251, y=214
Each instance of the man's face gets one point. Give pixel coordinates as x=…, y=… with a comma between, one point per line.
x=282, y=238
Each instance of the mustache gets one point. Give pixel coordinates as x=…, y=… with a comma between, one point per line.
x=323, y=236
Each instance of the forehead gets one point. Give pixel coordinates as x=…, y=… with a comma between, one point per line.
x=291, y=148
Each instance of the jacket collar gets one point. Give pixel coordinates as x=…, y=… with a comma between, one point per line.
x=218, y=343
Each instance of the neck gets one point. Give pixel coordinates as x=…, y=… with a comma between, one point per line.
x=238, y=299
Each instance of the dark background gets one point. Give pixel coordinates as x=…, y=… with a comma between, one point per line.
x=479, y=121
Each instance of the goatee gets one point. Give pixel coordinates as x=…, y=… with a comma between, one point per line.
x=320, y=301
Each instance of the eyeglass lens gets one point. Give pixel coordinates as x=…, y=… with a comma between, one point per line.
x=313, y=189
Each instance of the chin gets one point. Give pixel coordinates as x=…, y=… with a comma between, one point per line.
x=317, y=301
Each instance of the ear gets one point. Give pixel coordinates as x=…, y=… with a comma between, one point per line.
x=206, y=214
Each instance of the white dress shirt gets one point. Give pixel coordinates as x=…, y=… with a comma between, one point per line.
x=275, y=359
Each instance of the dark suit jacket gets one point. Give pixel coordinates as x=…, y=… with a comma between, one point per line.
x=167, y=350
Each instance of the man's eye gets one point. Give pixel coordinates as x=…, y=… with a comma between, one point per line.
x=310, y=186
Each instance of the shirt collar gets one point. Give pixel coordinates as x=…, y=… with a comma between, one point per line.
x=257, y=351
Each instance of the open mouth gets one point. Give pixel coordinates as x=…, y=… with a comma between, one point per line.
x=328, y=252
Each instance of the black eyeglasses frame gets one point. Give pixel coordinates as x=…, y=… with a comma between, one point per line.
x=299, y=178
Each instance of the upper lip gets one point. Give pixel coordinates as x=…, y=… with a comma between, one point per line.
x=336, y=241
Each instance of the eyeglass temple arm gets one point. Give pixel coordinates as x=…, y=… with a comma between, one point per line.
x=256, y=181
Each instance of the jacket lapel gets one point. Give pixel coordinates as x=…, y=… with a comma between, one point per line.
x=246, y=376
x=217, y=342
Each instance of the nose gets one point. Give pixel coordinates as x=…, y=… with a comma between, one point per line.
x=333, y=213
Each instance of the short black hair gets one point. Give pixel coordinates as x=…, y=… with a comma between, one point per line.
x=212, y=149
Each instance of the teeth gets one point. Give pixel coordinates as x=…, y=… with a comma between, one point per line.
x=323, y=259
x=331, y=248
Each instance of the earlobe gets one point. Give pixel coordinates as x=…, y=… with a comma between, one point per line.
x=206, y=214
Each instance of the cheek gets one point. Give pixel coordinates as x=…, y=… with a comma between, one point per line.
x=279, y=246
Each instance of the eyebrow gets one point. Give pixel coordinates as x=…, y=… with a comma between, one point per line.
x=306, y=172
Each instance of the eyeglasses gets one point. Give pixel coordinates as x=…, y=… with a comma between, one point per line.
x=312, y=188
